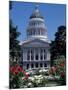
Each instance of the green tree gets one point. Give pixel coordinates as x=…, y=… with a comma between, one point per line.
x=14, y=46
x=58, y=46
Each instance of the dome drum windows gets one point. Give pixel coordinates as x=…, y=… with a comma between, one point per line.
x=35, y=29
x=36, y=23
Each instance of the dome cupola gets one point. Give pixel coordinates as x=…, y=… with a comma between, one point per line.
x=36, y=13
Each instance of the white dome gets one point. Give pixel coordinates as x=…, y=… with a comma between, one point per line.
x=36, y=27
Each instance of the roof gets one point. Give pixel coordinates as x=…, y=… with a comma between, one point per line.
x=36, y=14
x=31, y=40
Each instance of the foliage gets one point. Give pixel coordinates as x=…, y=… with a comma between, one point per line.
x=14, y=44
x=58, y=46
x=15, y=50
x=60, y=65
x=16, y=72
x=40, y=79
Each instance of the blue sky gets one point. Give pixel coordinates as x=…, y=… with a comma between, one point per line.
x=54, y=16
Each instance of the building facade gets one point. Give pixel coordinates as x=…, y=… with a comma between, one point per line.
x=35, y=50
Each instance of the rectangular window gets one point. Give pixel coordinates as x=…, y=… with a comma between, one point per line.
x=40, y=64
x=36, y=65
x=27, y=66
x=36, y=57
x=28, y=55
x=36, y=54
x=41, y=54
x=45, y=65
x=32, y=65
x=22, y=55
x=44, y=54
x=32, y=54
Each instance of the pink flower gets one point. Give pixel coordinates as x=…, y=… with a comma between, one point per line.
x=53, y=69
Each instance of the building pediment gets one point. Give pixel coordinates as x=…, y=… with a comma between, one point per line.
x=35, y=43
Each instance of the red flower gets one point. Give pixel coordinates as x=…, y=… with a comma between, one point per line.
x=12, y=69
x=62, y=74
x=16, y=72
x=19, y=68
x=62, y=64
x=15, y=69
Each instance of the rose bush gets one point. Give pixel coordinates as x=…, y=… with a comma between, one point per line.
x=16, y=72
x=60, y=65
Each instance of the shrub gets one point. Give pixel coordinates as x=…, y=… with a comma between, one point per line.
x=16, y=72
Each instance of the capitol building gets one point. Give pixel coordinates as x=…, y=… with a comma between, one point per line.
x=36, y=48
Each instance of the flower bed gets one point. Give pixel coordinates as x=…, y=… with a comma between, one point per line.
x=19, y=78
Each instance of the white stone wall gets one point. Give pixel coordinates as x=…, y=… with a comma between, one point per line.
x=25, y=61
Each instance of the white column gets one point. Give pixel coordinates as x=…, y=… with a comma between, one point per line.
x=30, y=54
x=43, y=65
x=34, y=65
x=39, y=54
x=43, y=54
x=24, y=55
x=34, y=54
x=40, y=32
x=39, y=65
x=46, y=54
